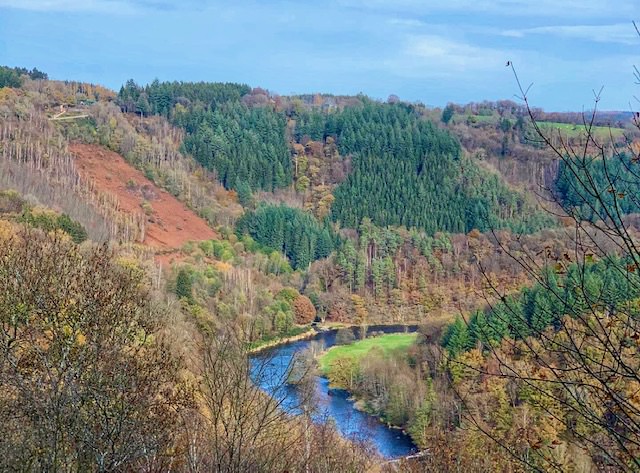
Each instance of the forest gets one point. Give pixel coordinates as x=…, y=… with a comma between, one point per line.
x=295, y=233
x=127, y=337
x=608, y=285
x=244, y=145
x=617, y=183
x=408, y=172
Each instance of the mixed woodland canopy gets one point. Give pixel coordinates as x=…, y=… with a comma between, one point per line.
x=322, y=208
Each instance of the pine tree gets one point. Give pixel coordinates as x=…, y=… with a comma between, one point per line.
x=456, y=338
x=184, y=285
x=244, y=193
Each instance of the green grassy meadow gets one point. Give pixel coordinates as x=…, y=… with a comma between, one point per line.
x=388, y=343
x=574, y=131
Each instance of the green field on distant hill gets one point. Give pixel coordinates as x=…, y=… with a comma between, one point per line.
x=571, y=130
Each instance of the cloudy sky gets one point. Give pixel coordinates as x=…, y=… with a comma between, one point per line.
x=434, y=51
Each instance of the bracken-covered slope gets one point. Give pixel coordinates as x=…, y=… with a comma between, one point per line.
x=169, y=223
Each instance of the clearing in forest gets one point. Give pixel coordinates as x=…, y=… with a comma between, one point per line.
x=573, y=131
x=392, y=342
x=169, y=223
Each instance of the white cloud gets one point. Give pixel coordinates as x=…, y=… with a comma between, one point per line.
x=445, y=56
x=406, y=22
x=623, y=33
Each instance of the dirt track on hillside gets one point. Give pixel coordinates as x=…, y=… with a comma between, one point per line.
x=170, y=224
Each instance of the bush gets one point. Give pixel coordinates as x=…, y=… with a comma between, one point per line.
x=49, y=220
x=74, y=229
x=11, y=202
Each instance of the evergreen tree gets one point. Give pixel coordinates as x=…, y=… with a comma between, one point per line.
x=244, y=193
x=456, y=338
x=9, y=77
x=142, y=105
x=447, y=114
x=184, y=285
x=291, y=231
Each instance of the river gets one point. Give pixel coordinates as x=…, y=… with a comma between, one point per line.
x=270, y=367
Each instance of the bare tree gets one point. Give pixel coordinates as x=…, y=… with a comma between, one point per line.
x=241, y=427
x=583, y=369
x=86, y=384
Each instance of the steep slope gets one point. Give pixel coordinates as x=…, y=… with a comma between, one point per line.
x=169, y=223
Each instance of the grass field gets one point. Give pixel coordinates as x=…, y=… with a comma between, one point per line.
x=484, y=118
x=389, y=343
x=568, y=130
x=574, y=131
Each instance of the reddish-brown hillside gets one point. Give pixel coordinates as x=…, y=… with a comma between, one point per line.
x=169, y=223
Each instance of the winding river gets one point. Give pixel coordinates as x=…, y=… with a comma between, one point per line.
x=270, y=368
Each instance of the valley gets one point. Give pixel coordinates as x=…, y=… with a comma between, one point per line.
x=168, y=251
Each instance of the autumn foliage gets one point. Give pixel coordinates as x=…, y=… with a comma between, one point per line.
x=84, y=378
x=304, y=310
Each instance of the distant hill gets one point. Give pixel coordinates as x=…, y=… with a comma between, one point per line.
x=364, y=197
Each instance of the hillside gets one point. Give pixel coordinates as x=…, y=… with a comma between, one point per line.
x=210, y=218
x=169, y=224
x=359, y=168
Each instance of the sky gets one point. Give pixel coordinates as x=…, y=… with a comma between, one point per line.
x=432, y=51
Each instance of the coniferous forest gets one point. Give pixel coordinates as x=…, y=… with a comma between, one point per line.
x=409, y=172
x=614, y=187
x=244, y=146
x=403, y=164
x=293, y=232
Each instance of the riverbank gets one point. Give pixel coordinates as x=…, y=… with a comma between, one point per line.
x=338, y=325
x=330, y=404
x=314, y=330
x=341, y=364
x=310, y=333
x=361, y=405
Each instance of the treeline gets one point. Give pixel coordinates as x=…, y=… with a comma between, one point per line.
x=245, y=145
x=11, y=76
x=377, y=259
x=408, y=172
x=594, y=189
x=160, y=98
x=613, y=119
x=601, y=286
x=517, y=111
x=294, y=232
